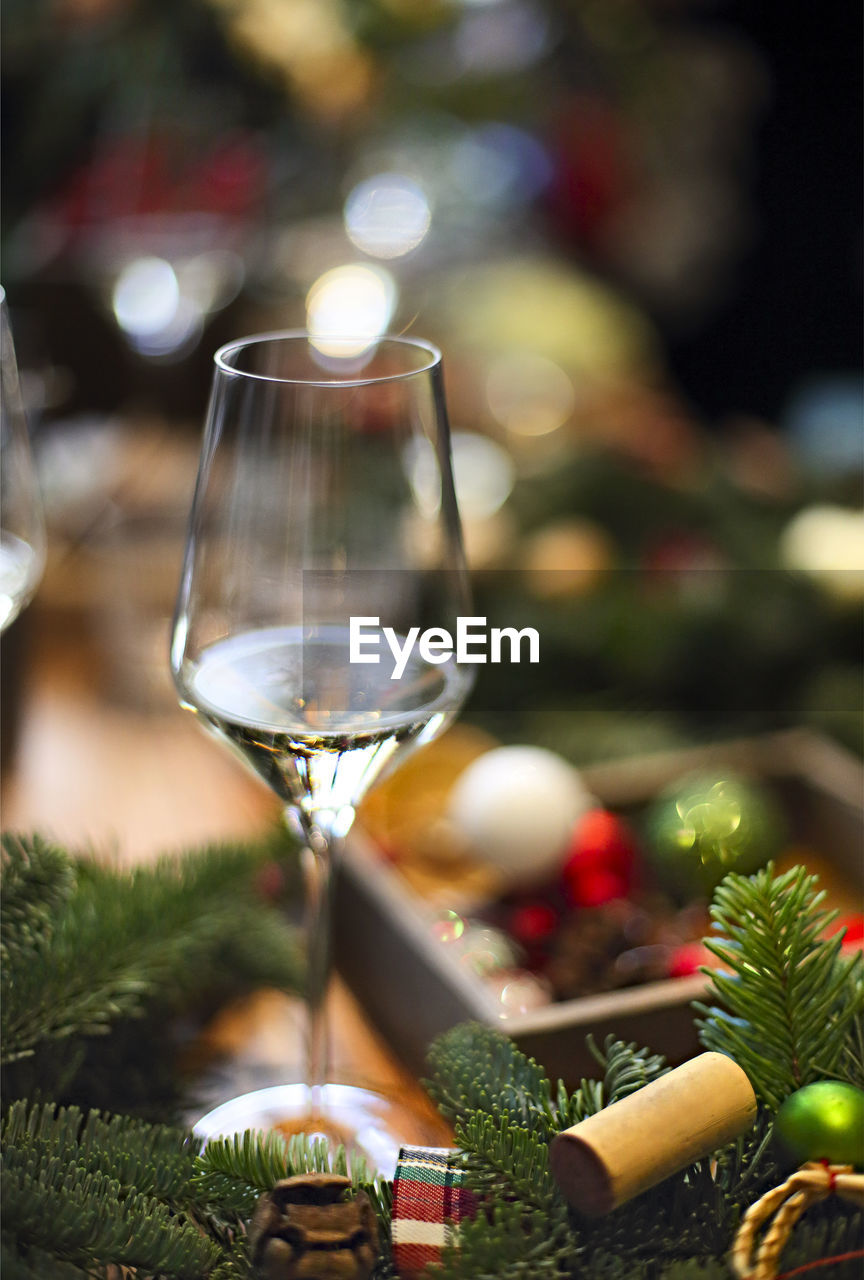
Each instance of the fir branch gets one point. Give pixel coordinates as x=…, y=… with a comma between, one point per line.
x=153, y=1159
x=786, y=1006
x=34, y=1264
x=122, y=938
x=570, y=1108
x=626, y=1068
x=86, y=1217
x=38, y=879
x=476, y=1068
x=99, y=1190
x=508, y=1244
x=747, y=1166
x=233, y=1172
x=85, y=1193
x=683, y=1217
x=851, y=1064
x=235, y=1264
x=508, y=1159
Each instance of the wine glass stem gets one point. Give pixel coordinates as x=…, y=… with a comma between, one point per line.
x=317, y=861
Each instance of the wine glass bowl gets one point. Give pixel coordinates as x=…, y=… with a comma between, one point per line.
x=22, y=532
x=324, y=534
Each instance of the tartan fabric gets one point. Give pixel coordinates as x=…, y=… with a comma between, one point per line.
x=429, y=1202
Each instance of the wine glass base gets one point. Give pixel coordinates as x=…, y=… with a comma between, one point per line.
x=366, y=1123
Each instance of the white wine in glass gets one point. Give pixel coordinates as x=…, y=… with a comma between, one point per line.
x=324, y=509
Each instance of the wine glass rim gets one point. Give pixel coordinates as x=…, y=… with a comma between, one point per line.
x=221, y=357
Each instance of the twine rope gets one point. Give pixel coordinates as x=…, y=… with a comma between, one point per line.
x=782, y=1207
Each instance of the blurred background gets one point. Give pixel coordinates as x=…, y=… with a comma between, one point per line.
x=634, y=228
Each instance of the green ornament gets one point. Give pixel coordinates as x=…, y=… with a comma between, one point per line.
x=823, y=1121
x=708, y=825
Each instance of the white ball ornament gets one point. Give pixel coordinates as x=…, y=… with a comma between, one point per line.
x=517, y=807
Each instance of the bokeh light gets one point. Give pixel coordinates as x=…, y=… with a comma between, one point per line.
x=211, y=279
x=503, y=38
x=483, y=474
x=448, y=928
x=826, y=543
x=146, y=296
x=518, y=992
x=387, y=215
x=499, y=166
x=155, y=316
x=529, y=394
x=355, y=302
x=490, y=39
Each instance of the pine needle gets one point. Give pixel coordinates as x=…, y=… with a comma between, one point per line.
x=786, y=997
x=90, y=946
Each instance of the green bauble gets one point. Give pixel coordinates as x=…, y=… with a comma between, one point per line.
x=823, y=1121
x=708, y=825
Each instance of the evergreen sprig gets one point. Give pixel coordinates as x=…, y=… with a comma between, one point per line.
x=100, y=951
x=501, y=1104
x=154, y=1159
x=788, y=998
x=851, y=1065
x=92, y=1192
x=626, y=1067
x=475, y=1068
x=101, y=962
x=99, y=1189
x=38, y=879
x=87, y=1193
x=509, y=1159
x=507, y=1243
x=781, y=970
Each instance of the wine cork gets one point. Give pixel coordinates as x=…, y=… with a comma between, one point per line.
x=652, y=1133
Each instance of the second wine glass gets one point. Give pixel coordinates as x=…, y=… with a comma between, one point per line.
x=22, y=529
x=323, y=543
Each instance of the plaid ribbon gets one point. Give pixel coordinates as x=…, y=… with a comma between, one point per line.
x=429, y=1202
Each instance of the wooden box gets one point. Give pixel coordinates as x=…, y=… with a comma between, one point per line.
x=414, y=988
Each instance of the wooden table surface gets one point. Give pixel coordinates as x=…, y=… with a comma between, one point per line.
x=104, y=760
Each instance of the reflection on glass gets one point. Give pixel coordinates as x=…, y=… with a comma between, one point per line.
x=22, y=535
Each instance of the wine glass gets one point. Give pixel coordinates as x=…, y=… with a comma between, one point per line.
x=22, y=530
x=324, y=506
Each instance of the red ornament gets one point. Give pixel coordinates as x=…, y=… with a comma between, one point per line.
x=533, y=923
x=688, y=959
x=596, y=888
x=601, y=862
x=594, y=170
